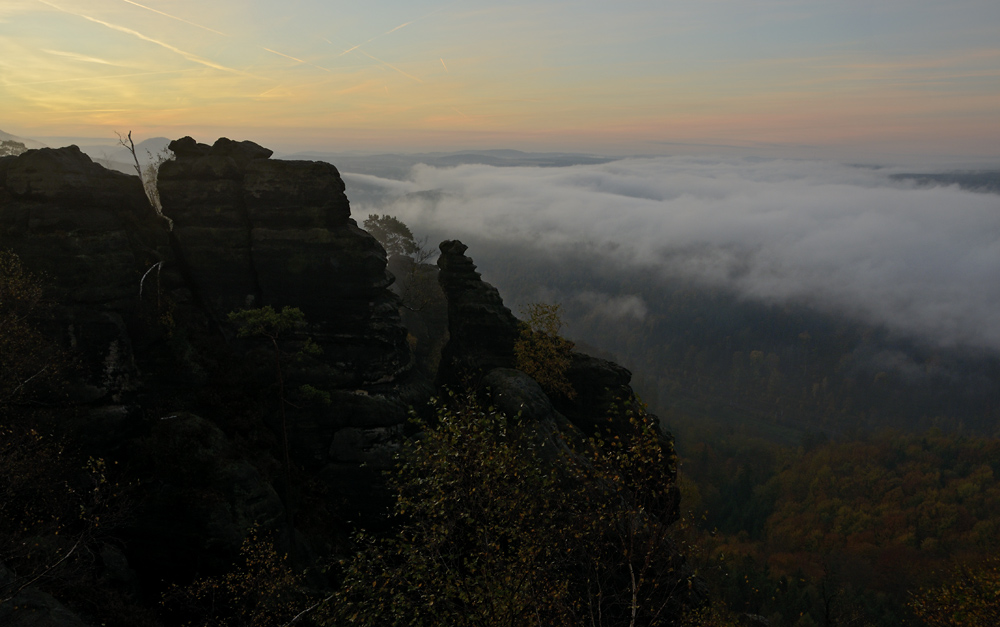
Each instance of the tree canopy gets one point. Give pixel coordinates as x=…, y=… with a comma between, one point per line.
x=541, y=352
x=9, y=147
x=395, y=237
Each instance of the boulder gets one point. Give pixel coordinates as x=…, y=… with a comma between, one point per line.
x=603, y=393
x=516, y=394
x=199, y=498
x=34, y=608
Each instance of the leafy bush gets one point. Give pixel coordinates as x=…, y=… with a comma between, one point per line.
x=503, y=523
x=540, y=351
x=970, y=598
x=26, y=358
x=261, y=591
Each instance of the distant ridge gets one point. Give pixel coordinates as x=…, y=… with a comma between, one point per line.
x=30, y=143
x=398, y=166
x=983, y=181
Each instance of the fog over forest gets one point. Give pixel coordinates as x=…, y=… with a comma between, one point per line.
x=922, y=260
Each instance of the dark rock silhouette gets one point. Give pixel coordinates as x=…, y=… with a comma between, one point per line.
x=481, y=329
x=256, y=232
x=165, y=384
x=92, y=234
x=144, y=311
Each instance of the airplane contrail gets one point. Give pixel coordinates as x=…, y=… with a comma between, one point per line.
x=351, y=49
x=97, y=78
x=174, y=17
x=288, y=56
x=397, y=28
x=389, y=65
x=391, y=30
x=282, y=54
x=445, y=67
x=78, y=57
x=264, y=94
x=187, y=55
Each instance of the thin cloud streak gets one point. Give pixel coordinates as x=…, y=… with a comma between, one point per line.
x=389, y=65
x=187, y=55
x=174, y=17
x=78, y=57
x=97, y=78
x=397, y=28
x=288, y=56
x=282, y=54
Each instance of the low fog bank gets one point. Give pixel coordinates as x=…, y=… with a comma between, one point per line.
x=868, y=243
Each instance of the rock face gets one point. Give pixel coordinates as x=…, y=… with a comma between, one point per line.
x=480, y=350
x=481, y=329
x=255, y=232
x=201, y=497
x=140, y=302
x=92, y=234
x=201, y=414
x=602, y=392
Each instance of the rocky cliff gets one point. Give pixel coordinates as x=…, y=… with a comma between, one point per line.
x=91, y=234
x=142, y=309
x=161, y=380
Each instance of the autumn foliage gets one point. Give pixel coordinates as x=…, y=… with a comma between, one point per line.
x=540, y=351
x=969, y=598
x=503, y=523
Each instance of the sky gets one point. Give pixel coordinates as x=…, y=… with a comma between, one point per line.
x=886, y=81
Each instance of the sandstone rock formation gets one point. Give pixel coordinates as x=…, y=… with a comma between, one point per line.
x=254, y=232
x=92, y=234
x=167, y=386
x=143, y=309
x=480, y=350
x=201, y=497
x=481, y=329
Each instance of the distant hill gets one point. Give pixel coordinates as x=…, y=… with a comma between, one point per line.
x=985, y=181
x=30, y=143
x=109, y=154
x=116, y=157
x=398, y=166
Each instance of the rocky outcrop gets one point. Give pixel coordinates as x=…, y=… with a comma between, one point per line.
x=143, y=310
x=480, y=351
x=482, y=333
x=603, y=393
x=481, y=329
x=201, y=414
x=255, y=232
x=200, y=498
x=92, y=235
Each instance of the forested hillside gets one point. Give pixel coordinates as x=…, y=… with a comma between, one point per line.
x=831, y=469
x=778, y=371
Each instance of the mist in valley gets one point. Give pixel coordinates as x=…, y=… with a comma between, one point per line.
x=667, y=262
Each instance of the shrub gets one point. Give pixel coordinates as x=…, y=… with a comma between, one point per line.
x=503, y=524
x=541, y=353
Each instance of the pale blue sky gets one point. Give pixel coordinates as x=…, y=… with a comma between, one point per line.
x=839, y=78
